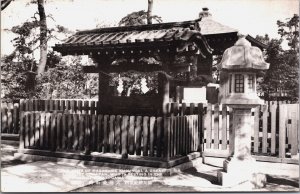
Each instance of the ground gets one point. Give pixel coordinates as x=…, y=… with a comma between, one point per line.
x=7, y=156
x=201, y=177
x=194, y=179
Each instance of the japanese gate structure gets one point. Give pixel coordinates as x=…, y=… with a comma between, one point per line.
x=153, y=48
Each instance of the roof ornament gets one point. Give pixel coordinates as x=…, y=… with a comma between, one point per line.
x=205, y=13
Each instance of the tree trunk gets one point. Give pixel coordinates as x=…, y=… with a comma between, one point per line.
x=149, y=13
x=5, y=3
x=43, y=37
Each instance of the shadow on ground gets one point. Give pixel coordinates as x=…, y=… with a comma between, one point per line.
x=9, y=163
x=211, y=176
x=283, y=181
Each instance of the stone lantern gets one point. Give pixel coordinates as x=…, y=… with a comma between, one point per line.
x=239, y=67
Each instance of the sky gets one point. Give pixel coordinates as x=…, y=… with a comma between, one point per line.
x=254, y=17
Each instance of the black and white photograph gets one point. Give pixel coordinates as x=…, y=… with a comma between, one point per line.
x=149, y=96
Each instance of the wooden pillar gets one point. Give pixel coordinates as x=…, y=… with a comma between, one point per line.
x=204, y=65
x=103, y=92
x=164, y=92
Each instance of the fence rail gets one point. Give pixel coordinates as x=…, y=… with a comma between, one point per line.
x=65, y=106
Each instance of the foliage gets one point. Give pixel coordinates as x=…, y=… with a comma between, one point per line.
x=62, y=78
x=137, y=18
x=14, y=76
x=67, y=80
x=290, y=31
x=282, y=75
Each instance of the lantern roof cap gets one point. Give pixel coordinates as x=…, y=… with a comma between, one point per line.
x=243, y=56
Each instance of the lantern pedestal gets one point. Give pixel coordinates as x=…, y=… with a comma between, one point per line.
x=241, y=166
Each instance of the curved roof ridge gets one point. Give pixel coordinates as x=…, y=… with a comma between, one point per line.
x=183, y=24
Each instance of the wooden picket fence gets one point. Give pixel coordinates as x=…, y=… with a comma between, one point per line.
x=275, y=129
x=275, y=126
x=121, y=134
x=10, y=112
x=10, y=118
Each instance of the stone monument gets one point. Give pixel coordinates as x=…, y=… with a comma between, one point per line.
x=239, y=67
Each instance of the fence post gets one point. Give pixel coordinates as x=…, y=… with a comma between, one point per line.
x=4, y=128
x=166, y=143
x=294, y=135
x=87, y=148
x=94, y=133
x=99, y=132
x=16, y=117
x=111, y=133
x=81, y=132
x=158, y=136
x=105, y=134
x=21, y=132
x=183, y=132
x=53, y=133
x=10, y=117
x=192, y=107
x=216, y=126
x=183, y=109
x=118, y=134
x=200, y=127
x=131, y=135
x=145, y=135
x=208, y=125
x=37, y=130
x=42, y=130
x=282, y=129
x=256, y=128
x=224, y=127
x=265, y=129
x=138, y=135
x=76, y=132
x=172, y=135
x=124, y=128
x=152, y=123
x=273, y=127
x=26, y=131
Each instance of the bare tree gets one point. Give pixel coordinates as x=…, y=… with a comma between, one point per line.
x=43, y=37
x=149, y=13
x=5, y=3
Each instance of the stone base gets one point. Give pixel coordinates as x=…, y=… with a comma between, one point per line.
x=239, y=171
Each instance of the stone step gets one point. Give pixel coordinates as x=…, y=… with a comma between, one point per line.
x=10, y=143
x=11, y=137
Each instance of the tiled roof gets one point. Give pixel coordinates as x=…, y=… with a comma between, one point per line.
x=209, y=26
x=119, y=37
x=132, y=35
x=205, y=33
